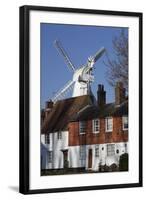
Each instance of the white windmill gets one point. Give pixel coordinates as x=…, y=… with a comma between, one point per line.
x=82, y=76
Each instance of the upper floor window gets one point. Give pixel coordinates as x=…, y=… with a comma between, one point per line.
x=47, y=138
x=50, y=157
x=97, y=151
x=110, y=149
x=95, y=125
x=125, y=122
x=82, y=127
x=109, y=124
x=59, y=135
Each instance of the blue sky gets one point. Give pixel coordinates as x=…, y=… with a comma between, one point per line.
x=80, y=42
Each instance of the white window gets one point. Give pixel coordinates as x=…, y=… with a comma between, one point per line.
x=125, y=122
x=59, y=135
x=82, y=127
x=50, y=156
x=109, y=124
x=97, y=151
x=47, y=138
x=110, y=149
x=95, y=125
x=82, y=152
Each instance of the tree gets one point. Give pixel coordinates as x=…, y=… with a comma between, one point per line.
x=118, y=63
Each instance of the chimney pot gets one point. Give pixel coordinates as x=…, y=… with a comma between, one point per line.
x=99, y=87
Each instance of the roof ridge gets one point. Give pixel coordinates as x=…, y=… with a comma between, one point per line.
x=84, y=108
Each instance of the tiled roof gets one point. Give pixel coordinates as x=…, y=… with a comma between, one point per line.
x=79, y=108
x=64, y=111
x=92, y=111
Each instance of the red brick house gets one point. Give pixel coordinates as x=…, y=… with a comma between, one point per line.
x=81, y=133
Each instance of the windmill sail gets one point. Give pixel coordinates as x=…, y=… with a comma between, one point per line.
x=99, y=54
x=82, y=76
x=93, y=60
x=63, y=91
x=61, y=50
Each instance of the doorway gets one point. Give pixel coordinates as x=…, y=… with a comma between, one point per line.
x=65, y=158
x=90, y=159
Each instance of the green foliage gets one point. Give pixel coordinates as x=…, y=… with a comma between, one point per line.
x=123, y=163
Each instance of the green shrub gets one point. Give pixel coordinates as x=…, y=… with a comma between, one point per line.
x=123, y=162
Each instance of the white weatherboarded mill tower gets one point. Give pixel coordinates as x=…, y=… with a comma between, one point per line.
x=82, y=76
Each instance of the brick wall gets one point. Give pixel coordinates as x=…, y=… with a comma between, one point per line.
x=117, y=135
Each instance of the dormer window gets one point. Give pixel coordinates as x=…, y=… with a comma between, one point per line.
x=82, y=127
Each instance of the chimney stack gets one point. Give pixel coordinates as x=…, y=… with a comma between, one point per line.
x=101, y=96
x=48, y=108
x=49, y=104
x=119, y=93
x=42, y=115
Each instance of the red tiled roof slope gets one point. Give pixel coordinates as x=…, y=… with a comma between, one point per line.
x=63, y=111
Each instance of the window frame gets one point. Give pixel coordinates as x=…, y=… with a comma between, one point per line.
x=123, y=122
x=106, y=124
x=82, y=152
x=97, y=148
x=81, y=123
x=50, y=156
x=112, y=151
x=47, y=138
x=59, y=135
x=94, y=126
